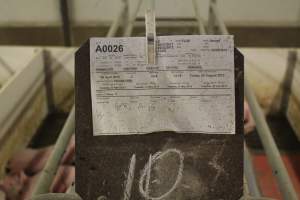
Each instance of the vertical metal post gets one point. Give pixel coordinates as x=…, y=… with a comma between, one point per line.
x=150, y=32
x=211, y=18
x=66, y=27
x=201, y=27
x=272, y=152
x=288, y=81
x=132, y=18
x=151, y=5
x=126, y=15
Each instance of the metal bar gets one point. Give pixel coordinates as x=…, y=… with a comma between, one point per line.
x=250, y=174
x=247, y=193
x=272, y=152
x=128, y=30
x=288, y=81
x=218, y=19
x=201, y=27
x=49, y=171
x=57, y=196
x=246, y=188
x=126, y=16
x=255, y=198
x=150, y=32
x=66, y=27
x=211, y=18
x=116, y=23
x=6, y=66
x=151, y=5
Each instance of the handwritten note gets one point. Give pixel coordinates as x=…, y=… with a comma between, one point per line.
x=146, y=180
x=190, y=89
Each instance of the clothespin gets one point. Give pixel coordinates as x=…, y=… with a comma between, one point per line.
x=150, y=32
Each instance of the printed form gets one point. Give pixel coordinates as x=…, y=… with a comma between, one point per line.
x=189, y=90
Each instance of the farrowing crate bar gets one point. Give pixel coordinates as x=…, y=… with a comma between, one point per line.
x=287, y=189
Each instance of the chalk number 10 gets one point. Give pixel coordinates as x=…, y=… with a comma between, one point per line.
x=144, y=181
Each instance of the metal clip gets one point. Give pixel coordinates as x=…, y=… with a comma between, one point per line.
x=150, y=33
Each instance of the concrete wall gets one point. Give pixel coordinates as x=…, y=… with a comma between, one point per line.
x=85, y=12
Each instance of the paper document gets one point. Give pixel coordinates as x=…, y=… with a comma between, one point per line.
x=189, y=90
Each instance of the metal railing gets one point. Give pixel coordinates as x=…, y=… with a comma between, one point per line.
x=279, y=170
x=215, y=26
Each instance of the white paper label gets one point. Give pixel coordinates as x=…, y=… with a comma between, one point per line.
x=189, y=90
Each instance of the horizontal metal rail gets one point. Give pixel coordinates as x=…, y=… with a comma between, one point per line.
x=49, y=171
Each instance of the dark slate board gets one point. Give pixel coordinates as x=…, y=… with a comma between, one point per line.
x=213, y=164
